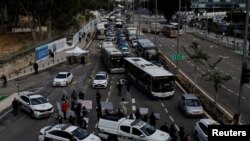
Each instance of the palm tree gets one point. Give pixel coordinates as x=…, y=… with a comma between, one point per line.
x=216, y=77
x=198, y=56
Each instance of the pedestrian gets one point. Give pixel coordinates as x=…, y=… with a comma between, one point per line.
x=124, y=105
x=63, y=98
x=84, y=111
x=181, y=133
x=4, y=79
x=73, y=96
x=144, y=118
x=128, y=84
x=35, y=67
x=98, y=112
x=152, y=119
x=119, y=88
x=15, y=105
x=81, y=95
x=98, y=98
x=172, y=132
x=73, y=106
x=64, y=108
x=235, y=120
x=72, y=120
x=164, y=128
x=130, y=116
x=78, y=112
x=120, y=113
x=138, y=114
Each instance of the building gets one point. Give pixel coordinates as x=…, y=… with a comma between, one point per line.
x=217, y=5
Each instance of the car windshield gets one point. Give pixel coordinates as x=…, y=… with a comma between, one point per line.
x=80, y=133
x=100, y=77
x=163, y=84
x=61, y=76
x=38, y=100
x=193, y=102
x=148, y=129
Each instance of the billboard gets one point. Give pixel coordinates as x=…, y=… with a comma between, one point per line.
x=41, y=52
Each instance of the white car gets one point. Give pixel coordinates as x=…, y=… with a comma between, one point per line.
x=100, y=80
x=36, y=105
x=62, y=79
x=65, y=132
x=201, y=128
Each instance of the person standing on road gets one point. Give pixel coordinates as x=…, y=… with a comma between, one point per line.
x=181, y=133
x=81, y=95
x=152, y=119
x=15, y=105
x=35, y=67
x=64, y=108
x=164, y=128
x=98, y=98
x=124, y=105
x=73, y=96
x=4, y=79
x=172, y=132
x=119, y=87
x=138, y=114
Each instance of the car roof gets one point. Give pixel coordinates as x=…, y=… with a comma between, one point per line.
x=101, y=72
x=64, y=127
x=189, y=96
x=30, y=95
x=64, y=72
x=208, y=121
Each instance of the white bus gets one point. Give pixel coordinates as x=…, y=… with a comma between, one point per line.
x=147, y=50
x=154, y=81
x=170, y=31
x=100, y=31
x=113, y=59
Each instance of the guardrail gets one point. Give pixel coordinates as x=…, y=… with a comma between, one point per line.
x=218, y=113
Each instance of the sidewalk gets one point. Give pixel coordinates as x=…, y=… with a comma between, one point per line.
x=44, y=64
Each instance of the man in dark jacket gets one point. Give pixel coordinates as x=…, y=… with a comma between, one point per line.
x=35, y=67
x=164, y=128
x=15, y=105
x=4, y=79
x=98, y=98
x=152, y=119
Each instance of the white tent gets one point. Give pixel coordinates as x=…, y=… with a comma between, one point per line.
x=76, y=52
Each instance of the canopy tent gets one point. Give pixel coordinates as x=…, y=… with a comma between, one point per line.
x=76, y=52
x=77, y=55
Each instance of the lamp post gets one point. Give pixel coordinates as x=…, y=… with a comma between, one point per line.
x=156, y=13
x=178, y=37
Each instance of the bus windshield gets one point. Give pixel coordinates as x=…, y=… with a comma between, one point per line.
x=163, y=84
x=117, y=62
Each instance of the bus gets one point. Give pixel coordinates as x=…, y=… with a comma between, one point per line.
x=112, y=59
x=170, y=31
x=154, y=81
x=100, y=31
x=147, y=50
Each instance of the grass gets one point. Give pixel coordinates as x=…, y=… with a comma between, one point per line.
x=2, y=98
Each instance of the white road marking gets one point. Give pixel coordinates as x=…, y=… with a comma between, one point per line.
x=171, y=119
x=177, y=128
x=133, y=100
x=133, y=108
x=162, y=105
x=166, y=110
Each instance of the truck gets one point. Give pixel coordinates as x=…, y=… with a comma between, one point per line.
x=155, y=28
x=116, y=128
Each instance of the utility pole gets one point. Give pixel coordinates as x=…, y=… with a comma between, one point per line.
x=244, y=61
x=156, y=13
x=178, y=37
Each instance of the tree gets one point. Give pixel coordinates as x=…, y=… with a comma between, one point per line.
x=198, y=56
x=216, y=77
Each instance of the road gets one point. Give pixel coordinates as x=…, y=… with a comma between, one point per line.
x=228, y=94
x=28, y=129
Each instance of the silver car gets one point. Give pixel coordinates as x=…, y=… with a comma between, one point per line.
x=201, y=128
x=190, y=105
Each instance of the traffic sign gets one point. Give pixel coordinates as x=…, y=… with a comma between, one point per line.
x=177, y=57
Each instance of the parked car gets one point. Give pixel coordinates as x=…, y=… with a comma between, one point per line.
x=35, y=105
x=100, y=80
x=66, y=132
x=201, y=128
x=190, y=105
x=62, y=79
